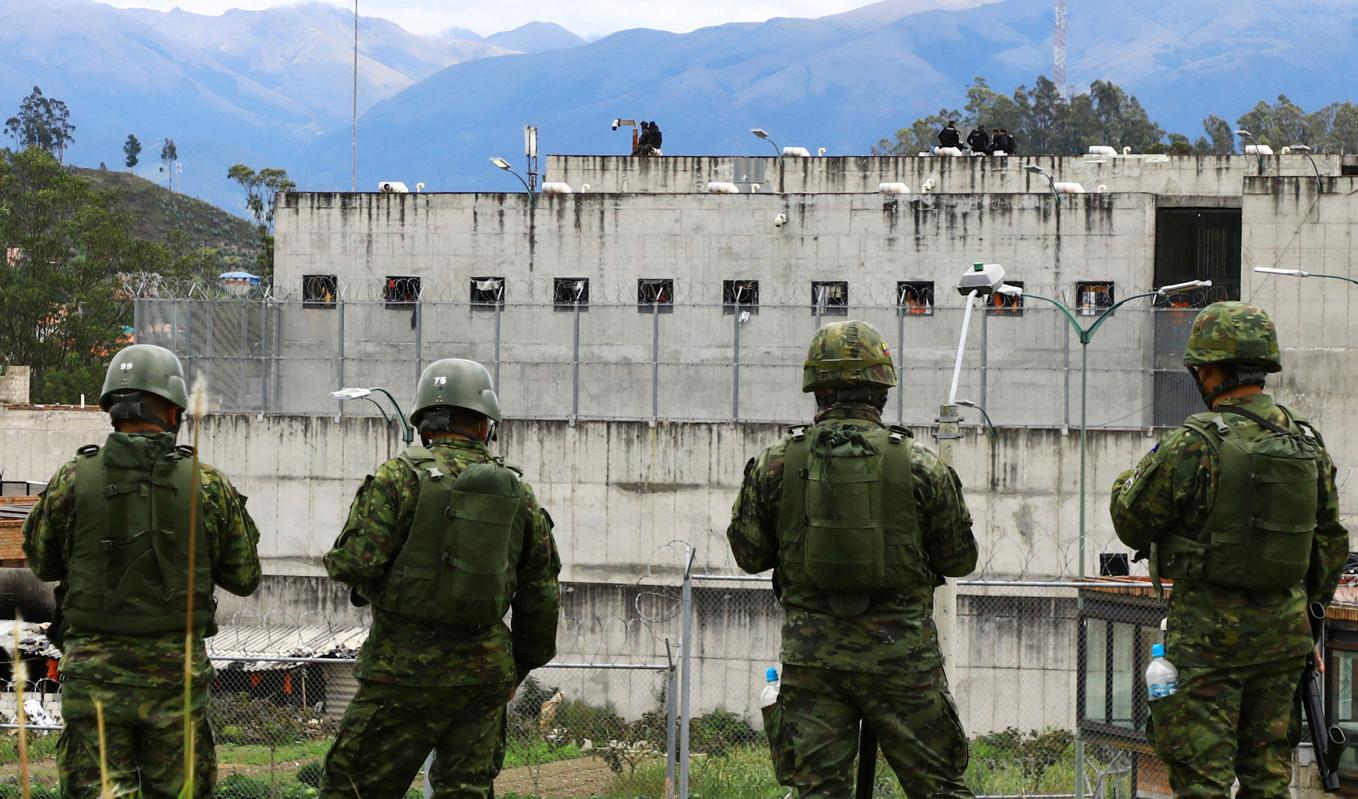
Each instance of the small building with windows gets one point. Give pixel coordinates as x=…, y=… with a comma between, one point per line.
x=1119, y=620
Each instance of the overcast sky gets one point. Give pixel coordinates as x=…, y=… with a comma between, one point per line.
x=585, y=17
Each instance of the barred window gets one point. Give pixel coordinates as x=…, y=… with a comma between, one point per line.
x=401, y=292
x=488, y=291
x=319, y=291
x=1004, y=304
x=830, y=297
x=655, y=294
x=742, y=295
x=570, y=292
x=1093, y=297
x=915, y=297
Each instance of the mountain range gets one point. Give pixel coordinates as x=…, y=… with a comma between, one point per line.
x=273, y=87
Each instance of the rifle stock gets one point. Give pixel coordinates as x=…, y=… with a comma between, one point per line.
x=1328, y=744
x=867, y=762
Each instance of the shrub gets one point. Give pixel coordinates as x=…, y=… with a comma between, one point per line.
x=311, y=773
x=239, y=786
x=717, y=732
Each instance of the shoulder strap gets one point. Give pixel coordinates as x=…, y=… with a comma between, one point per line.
x=416, y=457
x=1210, y=426
x=792, y=504
x=1256, y=418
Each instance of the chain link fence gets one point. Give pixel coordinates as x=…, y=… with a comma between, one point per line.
x=655, y=692
x=665, y=360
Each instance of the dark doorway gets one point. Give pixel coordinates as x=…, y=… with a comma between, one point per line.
x=1190, y=244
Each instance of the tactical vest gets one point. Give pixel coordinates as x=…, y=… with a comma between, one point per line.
x=128, y=567
x=848, y=525
x=1258, y=533
x=457, y=566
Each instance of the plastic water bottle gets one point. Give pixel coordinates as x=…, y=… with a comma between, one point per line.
x=1162, y=679
x=770, y=694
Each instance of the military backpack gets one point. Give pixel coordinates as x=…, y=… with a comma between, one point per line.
x=128, y=570
x=848, y=523
x=1258, y=533
x=457, y=566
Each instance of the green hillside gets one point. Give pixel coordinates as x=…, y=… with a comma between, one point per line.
x=158, y=214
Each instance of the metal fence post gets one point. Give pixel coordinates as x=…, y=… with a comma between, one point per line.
x=575, y=365
x=900, y=366
x=278, y=352
x=207, y=335
x=243, y=356
x=686, y=673
x=339, y=354
x=985, y=354
x=735, y=365
x=262, y=347
x=671, y=713
x=498, y=387
x=419, y=338
x=188, y=349
x=1065, y=377
x=945, y=596
x=655, y=362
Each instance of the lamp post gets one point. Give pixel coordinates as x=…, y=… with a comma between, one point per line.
x=759, y=133
x=1268, y=270
x=1051, y=182
x=1245, y=134
x=500, y=163
x=1305, y=149
x=1086, y=334
x=345, y=394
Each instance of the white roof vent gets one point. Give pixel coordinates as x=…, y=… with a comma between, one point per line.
x=1069, y=188
x=392, y=187
x=1258, y=149
x=796, y=152
x=953, y=151
x=1101, y=149
x=893, y=188
x=555, y=187
x=722, y=187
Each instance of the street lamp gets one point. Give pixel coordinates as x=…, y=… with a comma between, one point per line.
x=760, y=134
x=1037, y=170
x=1245, y=134
x=1305, y=149
x=1268, y=270
x=1086, y=335
x=500, y=163
x=351, y=393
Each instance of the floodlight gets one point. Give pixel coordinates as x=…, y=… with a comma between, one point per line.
x=500, y=163
x=1175, y=288
x=350, y=393
x=983, y=279
x=759, y=133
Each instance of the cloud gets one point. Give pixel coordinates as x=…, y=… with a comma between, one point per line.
x=585, y=17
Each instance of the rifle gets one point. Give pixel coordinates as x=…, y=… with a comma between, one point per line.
x=1328, y=744
x=867, y=762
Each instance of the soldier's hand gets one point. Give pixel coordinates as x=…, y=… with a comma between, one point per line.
x=1320, y=660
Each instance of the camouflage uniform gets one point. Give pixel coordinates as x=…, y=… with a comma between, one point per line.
x=882, y=665
x=1240, y=653
x=424, y=686
x=138, y=679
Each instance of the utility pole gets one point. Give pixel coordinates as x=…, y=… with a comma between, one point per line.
x=945, y=596
x=1059, y=47
x=353, y=174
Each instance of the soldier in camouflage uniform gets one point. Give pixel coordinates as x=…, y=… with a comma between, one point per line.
x=442, y=541
x=1239, y=507
x=860, y=525
x=113, y=529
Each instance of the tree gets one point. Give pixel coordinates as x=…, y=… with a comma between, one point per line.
x=64, y=314
x=132, y=149
x=1221, y=135
x=261, y=191
x=168, y=155
x=42, y=122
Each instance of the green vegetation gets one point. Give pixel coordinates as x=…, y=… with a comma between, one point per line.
x=1045, y=122
x=177, y=221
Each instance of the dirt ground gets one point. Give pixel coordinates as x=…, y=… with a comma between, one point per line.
x=585, y=776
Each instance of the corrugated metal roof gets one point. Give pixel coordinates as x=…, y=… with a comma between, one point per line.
x=284, y=641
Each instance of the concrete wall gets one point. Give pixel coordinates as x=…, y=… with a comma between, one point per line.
x=14, y=383
x=701, y=240
x=1210, y=175
x=619, y=492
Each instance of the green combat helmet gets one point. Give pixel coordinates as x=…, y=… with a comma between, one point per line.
x=848, y=355
x=148, y=368
x=457, y=383
x=1234, y=333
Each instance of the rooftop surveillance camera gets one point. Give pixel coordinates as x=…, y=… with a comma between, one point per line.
x=984, y=279
x=617, y=123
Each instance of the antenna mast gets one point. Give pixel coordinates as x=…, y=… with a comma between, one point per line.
x=1059, y=47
